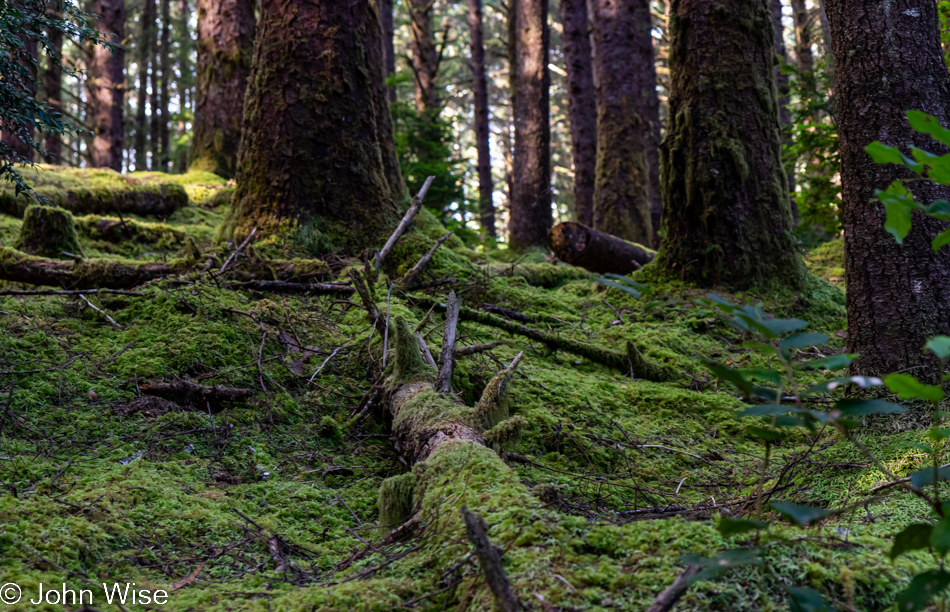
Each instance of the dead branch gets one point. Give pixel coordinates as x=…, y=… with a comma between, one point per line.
x=404, y=224
x=474, y=349
x=597, y=251
x=278, y=286
x=412, y=275
x=490, y=559
x=99, y=310
x=197, y=396
x=237, y=251
x=443, y=383
x=671, y=594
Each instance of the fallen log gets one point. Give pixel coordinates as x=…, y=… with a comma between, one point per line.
x=597, y=251
x=199, y=397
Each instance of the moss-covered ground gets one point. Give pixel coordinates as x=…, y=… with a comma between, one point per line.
x=271, y=503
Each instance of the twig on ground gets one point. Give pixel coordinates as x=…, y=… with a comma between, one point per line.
x=67, y=292
x=490, y=560
x=671, y=594
x=412, y=275
x=425, y=350
x=237, y=251
x=91, y=305
x=443, y=383
x=404, y=224
x=473, y=349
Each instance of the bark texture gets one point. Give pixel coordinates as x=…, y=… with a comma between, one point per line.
x=389, y=47
x=888, y=60
x=582, y=104
x=145, y=42
x=165, y=66
x=582, y=246
x=781, y=80
x=53, y=85
x=803, y=36
x=106, y=87
x=225, y=46
x=727, y=218
x=625, y=130
x=20, y=137
x=317, y=146
x=425, y=58
x=486, y=207
x=529, y=217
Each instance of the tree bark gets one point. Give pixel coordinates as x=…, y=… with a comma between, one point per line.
x=317, y=147
x=145, y=55
x=225, y=47
x=424, y=55
x=529, y=217
x=625, y=132
x=53, y=84
x=728, y=219
x=106, y=87
x=486, y=206
x=803, y=37
x=389, y=47
x=886, y=62
x=582, y=246
x=581, y=104
x=164, y=63
x=781, y=80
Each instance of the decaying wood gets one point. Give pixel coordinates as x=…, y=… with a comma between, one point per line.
x=490, y=559
x=237, y=251
x=443, y=383
x=404, y=224
x=671, y=594
x=412, y=275
x=199, y=397
x=474, y=349
x=278, y=286
x=597, y=251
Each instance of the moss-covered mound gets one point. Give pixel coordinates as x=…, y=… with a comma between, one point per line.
x=48, y=231
x=827, y=261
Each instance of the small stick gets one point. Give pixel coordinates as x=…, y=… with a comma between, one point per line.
x=443, y=383
x=671, y=594
x=425, y=350
x=476, y=348
x=237, y=251
x=410, y=277
x=404, y=224
x=367, y=299
x=386, y=331
x=66, y=292
x=111, y=320
x=327, y=360
x=616, y=312
x=490, y=560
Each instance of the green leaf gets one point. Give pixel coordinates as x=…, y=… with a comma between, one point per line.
x=763, y=374
x=629, y=281
x=898, y=205
x=801, y=515
x=859, y=408
x=921, y=590
x=941, y=240
x=763, y=433
x=883, y=154
x=865, y=382
x=783, y=326
x=713, y=566
x=928, y=124
x=798, y=341
x=803, y=599
x=766, y=410
x=939, y=345
x=625, y=288
x=939, y=209
x=940, y=538
x=733, y=377
x=927, y=476
x=938, y=166
x=728, y=526
x=832, y=362
x=913, y=537
x=907, y=387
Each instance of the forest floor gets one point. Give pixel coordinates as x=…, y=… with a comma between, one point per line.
x=270, y=502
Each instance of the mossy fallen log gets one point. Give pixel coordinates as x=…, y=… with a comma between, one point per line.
x=98, y=191
x=49, y=231
x=597, y=251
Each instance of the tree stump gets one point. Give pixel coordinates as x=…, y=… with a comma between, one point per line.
x=48, y=231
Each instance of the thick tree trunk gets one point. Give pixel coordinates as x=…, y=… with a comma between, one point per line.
x=781, y=80
x=529, y=217
x=582, y=104
x=486, y=207
x=425, y=58
x=317, y=147
x=389, y=47
x=225, y=46
x=728, y=219
x=803, y=37
x=165, y=64
x=53, y=84
x=888, y=61
x=145, y=55
x=106, y=87
x=625, y=132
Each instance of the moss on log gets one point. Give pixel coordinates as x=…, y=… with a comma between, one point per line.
x=48, y=231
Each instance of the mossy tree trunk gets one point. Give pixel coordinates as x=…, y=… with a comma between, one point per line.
x=727, y=217
x=425, y=57
x=389, y=47
x=529, y=215
x=164, y=62
x=106, y=87
x=317, y=146
x=626, y=129
x=486, y=207
x=581, y=103
x=888, y=61
x=144, y=49
x=225, y=47
x=53, y=87
x=781, y=80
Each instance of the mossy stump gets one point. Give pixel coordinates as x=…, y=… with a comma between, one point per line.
x=49, y=231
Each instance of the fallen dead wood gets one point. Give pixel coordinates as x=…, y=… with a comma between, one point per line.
x=404, y=223
x=199, y=397
x=597, y=251
x=412, y=275
x=490, y=559
x=474, y=349
x=277, y=286
x=671, y=594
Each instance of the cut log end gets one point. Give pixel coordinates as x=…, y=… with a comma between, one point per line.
x=597, y=251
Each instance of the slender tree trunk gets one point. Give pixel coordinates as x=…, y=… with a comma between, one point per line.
x=20, y=137
x=145, y=54
x=225, y=47
x=887, y=62
x=165, y=63
x=625, y=133
x=154, y=103
x=389, y=47
x=424, y=55
x=53, y=84
x=316, y=127
x=106, y=87
x=529, y=217
x=582, y=105
x=728, y=219
x=185, y=83
x=803, y=37
x=486, y=206
x=781, y=79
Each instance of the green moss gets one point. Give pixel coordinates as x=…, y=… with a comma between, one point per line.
x=48, y=231
x=396, y=500
x=827, y=261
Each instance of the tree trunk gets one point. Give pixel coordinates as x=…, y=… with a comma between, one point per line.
x=529, y=217
x=225, y=46
x=625, y=132
x=389, y=48
x=581, y=105
x=486, y=206
x=164, y=63
x=106, y=87
x=803, y=38
x=887, y=62
x=317, y=147
x=424, y=55
x=728, y=219
x=781, y=79
x=20, y=138
x=145, y=55
x=53, y=84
